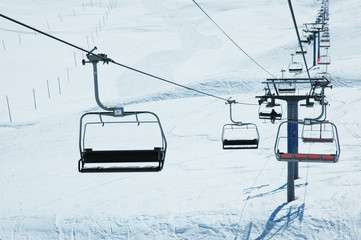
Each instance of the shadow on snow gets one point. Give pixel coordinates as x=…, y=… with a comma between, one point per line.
x=276, y=223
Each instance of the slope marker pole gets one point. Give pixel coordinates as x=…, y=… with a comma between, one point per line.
x=7, y=101
x=34, y=97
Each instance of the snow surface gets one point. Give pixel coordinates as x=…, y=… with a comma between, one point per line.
x=203, y=191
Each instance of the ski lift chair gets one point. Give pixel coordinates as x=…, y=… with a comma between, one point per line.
x=310, y=146
x=294, y=67
x=325, y=44
x=324, y=60
x=287, y=87
x=322, y=131
x=325, y=39
x=270, y=111
x=100, y=149
x=304, y=40
x=305, y=37
x=106, y=147
x=238, y=135
x=325, y=35
x=324, y=75
x=299, y=50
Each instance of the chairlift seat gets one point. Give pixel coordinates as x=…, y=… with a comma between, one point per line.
x=321, y=133
x=120, y=159
x=325, y=35
x=90, y=157
x=299, y=50
x=126, y=156
x=325, y=44
x=325, y=150
x=325, y=39
x=295, y=69
x=325, y=75
x=309, y=139
x=286, y=90
x=240, y=144
x=300, y=157
x=263, y=115
x=237, y=135
x=270, y=111
x=324, y=61
x=294, y=66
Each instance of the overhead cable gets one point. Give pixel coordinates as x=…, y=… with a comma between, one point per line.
x=299, y=40
x=44, y=33
x=252, y=59
x=105, y=59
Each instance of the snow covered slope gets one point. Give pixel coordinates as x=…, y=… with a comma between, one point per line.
x=203, y=191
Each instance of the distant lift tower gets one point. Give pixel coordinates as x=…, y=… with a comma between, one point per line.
x=315, y=29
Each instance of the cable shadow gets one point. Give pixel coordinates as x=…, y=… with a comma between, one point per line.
x=281, y=188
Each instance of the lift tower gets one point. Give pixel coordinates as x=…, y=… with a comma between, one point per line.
x=274, y=91
x=315, y=29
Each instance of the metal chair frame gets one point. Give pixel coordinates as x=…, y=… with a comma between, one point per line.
x=294, y=67
x=239, y=143
x=308, y=157
x=135, y=158
x=269, y=115
x=126, y=157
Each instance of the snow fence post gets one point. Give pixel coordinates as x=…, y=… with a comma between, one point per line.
x=47, y=84
x=7, y=101
x=34, y=97
x=59, y=86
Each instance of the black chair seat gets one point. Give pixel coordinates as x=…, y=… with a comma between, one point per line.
x=310, y=139
x=240, y=144
x=119, y=169
x=287, y=90
x=122, y=156
x=268, y=115
x=295, y=70
x=227, y=142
